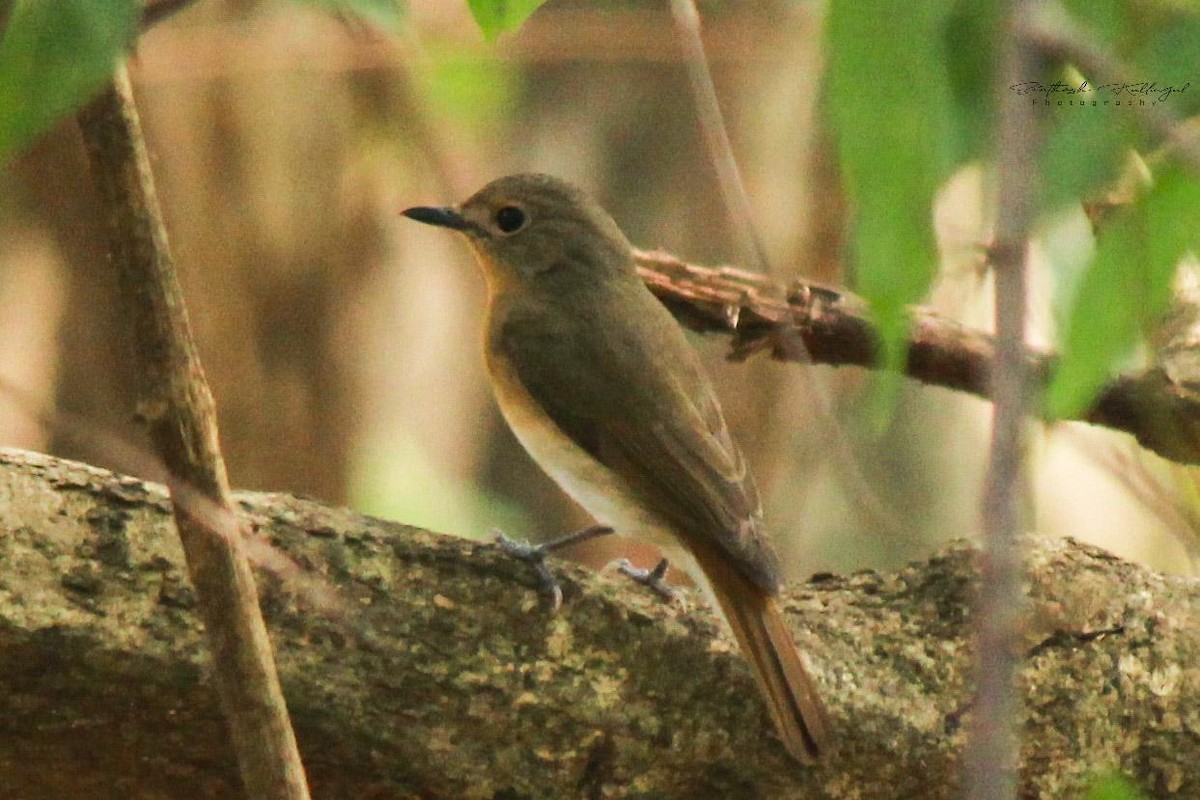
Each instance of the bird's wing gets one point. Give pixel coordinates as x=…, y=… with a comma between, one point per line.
x=660, y=430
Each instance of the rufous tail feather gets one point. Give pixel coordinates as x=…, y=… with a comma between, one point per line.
x=767, y=644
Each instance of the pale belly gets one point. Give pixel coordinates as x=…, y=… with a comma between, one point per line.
x=595, y=487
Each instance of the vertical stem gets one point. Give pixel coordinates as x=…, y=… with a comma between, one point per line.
x=716, y=134
x=177, y=407
x=993, y=749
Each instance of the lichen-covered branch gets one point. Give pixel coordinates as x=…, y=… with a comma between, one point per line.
x=437, y=672
x=1160, y=409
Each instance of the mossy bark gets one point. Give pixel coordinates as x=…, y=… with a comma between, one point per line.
x=420, y=665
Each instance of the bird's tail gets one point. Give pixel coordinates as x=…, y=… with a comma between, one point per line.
x=767, y=644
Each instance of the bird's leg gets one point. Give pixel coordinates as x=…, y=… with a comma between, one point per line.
x=535, y=554
x=654, y=578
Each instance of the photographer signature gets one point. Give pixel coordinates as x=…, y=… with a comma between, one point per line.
x=1144, y=89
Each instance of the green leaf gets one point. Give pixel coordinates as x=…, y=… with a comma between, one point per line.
x=1107, y=19
x=1169, y=59
x=495, y=17
x=1127, y=288
x=385, y=14
x=1084, y=149
x=56, y=54
x=971, y=67
x=892, y=106
x=1113, y=787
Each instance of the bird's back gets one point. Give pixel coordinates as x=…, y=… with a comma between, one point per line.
x=627, y=390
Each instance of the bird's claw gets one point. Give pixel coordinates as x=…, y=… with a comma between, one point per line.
x=654, y=578
x=535, y=556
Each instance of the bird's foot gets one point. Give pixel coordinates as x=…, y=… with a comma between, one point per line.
x=535, y=555
x=655, y=578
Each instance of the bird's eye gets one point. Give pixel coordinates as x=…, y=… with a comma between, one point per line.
x=510, y=219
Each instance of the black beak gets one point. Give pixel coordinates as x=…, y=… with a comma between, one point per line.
x=442, y=217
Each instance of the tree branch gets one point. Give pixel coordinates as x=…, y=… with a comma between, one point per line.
x=1161, y=410
x=177, y=407
x=444, y=676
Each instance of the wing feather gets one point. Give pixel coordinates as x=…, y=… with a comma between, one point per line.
x=637, y=399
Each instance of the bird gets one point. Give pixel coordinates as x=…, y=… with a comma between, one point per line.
x=599, y=384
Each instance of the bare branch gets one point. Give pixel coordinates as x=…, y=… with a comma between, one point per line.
x=177, y=408
x=1160, y=409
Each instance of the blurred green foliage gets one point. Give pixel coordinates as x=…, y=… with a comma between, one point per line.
x=1166, y=49
x=398, y=479
x=1128, y=287
x=472, y=93
x=915, y=98
x=1081, y=153
x=495, y=17
x=54, y=55
x=387, y=15
x=893, y=109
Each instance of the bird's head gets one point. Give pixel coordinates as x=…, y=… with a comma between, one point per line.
x=535, y=228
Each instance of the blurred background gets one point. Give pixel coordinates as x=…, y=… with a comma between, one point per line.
x=342, y=341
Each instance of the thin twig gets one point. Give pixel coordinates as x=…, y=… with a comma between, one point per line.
x=177, y=408
x=993, y=747
x=716, y=135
